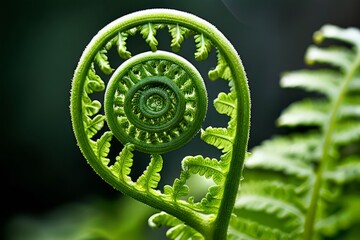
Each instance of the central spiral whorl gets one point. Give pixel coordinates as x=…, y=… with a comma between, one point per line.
x=154, y=104
x=156, y=101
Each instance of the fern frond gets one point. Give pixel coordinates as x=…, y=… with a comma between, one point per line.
x=323, y=81
x=307, y=112
x=210, y=168
x=93, y=81
x=151, y=177
x=163, y=219
x=346, y=218
x=347, y=132
x=340, y=57
x=91, y=107
x=183, y=232
x=348, y=171
x=203, y=47
x=102, y=62
x=284, y=215
x=275, y=162
x=226, y=104
x=271, y=206
x=348, y=35
x=218, y=137
x=315, y=156
x=275, y=189
x=155, y=103
x=179, y=188
x=225, y=160
x=246, y=229
x=212, y=199
x=148, y=32
x=354, y=86
x=93, y=125
x=178, y=34
x=120, y=41
x=273, y=198
x=178, y=230
x=122, y=166
x=102, y=147
x=350, y=108
x=221, y=70
x=298, y=147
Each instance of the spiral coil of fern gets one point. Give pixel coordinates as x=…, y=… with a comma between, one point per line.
x=156, y=102
x=160, y=102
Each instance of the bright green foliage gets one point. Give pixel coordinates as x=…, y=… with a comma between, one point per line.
x=124, y=161
x=178, y=190
x=348, y=171
x=305, y=185
x=94, y=82
x=221, y=70
x=148, y=31
x=212, y=199
x=178, y=35
x=120, y=41
x=151, y=177
x=308, y=112
x=101, y=60
x=210, y=168
x=203, y=47
x=226, y=103
x=155, y=102
x=163, y=219
x=102, y=147
x=178, y=229
x=97, y=219
x=218, y=137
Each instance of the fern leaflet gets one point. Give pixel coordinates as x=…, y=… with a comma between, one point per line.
x=151, y=177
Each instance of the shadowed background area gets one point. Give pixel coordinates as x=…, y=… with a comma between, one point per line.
x=41, y=42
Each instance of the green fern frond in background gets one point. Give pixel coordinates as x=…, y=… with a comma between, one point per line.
x=304, y=185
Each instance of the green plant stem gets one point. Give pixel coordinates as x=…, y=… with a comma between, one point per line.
x=326, y=147
x=238, y=158
x=240, y=141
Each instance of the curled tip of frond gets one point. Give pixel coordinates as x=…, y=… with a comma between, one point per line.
x=318, y=37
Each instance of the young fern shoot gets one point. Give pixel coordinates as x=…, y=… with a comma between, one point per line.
x=156, y=102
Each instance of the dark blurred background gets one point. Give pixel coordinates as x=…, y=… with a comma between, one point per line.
x=41, y=42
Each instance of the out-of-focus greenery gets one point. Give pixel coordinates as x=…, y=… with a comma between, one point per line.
x=98, y=219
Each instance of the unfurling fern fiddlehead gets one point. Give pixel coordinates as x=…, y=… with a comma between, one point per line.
x=155, y=102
